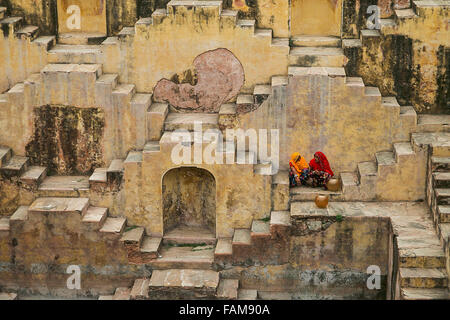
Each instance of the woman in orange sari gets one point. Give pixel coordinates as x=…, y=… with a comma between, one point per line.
x=298, y=170
x=320, y=170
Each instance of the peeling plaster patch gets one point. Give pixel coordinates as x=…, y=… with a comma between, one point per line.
x=217, y=76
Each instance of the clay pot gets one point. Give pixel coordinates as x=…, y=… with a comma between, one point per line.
x=322, y=201
x=333, y=185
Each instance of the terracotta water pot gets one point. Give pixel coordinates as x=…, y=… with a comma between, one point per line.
x=333, y=185
x=322, y=201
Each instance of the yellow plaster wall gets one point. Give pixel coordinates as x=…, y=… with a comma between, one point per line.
x=316, y=17
x=168, y=47
x=93, y=15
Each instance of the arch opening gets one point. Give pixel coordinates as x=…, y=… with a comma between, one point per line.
x=189, y=200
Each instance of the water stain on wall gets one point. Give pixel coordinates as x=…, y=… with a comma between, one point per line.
x=216, y=77
x=67, y=140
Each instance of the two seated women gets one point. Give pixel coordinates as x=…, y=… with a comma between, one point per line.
x=316, y=174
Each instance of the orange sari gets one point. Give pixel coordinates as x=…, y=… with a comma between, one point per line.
x=298, y=162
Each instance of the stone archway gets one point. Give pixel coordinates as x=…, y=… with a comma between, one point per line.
x=189, y=199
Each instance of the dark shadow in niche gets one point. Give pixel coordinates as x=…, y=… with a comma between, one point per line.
x=67, y=140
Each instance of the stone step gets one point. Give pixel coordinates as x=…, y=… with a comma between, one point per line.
x=372, y=92
x=423, y=278
x=19, y=216
x=403, y=151
x=444, y=213
x=368, y=168
x=156, y=116
x=105, y=297
x=429, y=257
x=242, y=237
x=5, y=155
x=64, y=186
x=150, y=246
x=115, y=171
x=224, y=249
x=15, y=166
x=95, y=217
x=440, y=164
x=351, y=43
x=407, y=13
x=280, y=218
x=349, y=183
x=317, y=57
x=274, y=295
x=186, y=121
x=433, y=123
x=133, y=157
x=133, y=236
x=98, y=176
x=183, y=284
x=122, y=293
x=367, y=35
x=8, y=296
x=424, y=294
x=444, y=234
x=438, y=141
x=2, y=12
x=245, y=103
x=10, y=25
x=264, y=33
x=385, y=158
x=140, y=289
x=46, y=42
x=28, y=33
x=215, y=6
x=189, y=235
x=247, y=294
x=152, y=146
x=34, y=175
x=354, y=82
x=184, y=257
x=229, y=15
x=4, y=225
x=113, y=225
x=441, y=179
x=408, y=118
x=81, y=38
x=228, y=289
x=279, y=81
x=79, y=54
x=260, y=229
x=304, y=193
x=60, y=206
x=315, y=41
x=246, y=24
x=261, y=92
x=442, y=196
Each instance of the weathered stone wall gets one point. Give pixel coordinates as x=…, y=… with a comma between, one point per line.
x=410, y=60
x=320, y=112
x=328, y=260
x=67, y=140
x=241, y=195
x=39, y=13
x=145, y=58
x=19, y=57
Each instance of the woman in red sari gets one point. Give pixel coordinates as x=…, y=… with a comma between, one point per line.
x=320, y=170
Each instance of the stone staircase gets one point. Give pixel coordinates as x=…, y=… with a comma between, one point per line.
x=264, y=242
x=18, y=166
x=176, y=284
x=316, y=51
